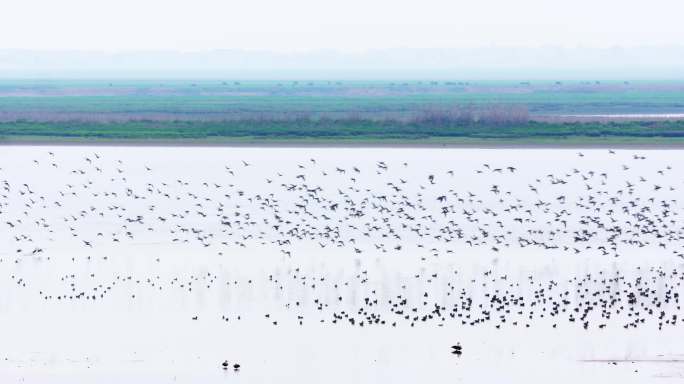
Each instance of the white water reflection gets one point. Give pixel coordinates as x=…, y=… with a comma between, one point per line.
x=108, y=253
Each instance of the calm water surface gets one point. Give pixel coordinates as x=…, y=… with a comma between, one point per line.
x=154, y=265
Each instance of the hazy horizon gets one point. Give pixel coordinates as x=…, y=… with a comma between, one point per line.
x=494, y=62
x=350, y=26
x=355, y=39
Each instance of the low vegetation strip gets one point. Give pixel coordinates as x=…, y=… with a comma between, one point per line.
x=332, y=129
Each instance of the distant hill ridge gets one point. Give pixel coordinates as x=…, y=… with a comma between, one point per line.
x=465, y=63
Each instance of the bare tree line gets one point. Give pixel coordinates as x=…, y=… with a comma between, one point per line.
x=488, y=114
x=434, y=115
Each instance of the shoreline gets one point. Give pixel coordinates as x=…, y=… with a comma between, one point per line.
x=577, y=143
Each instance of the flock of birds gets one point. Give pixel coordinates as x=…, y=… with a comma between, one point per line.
x=361, y=214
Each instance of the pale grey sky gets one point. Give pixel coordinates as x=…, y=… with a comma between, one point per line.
x=349, y=25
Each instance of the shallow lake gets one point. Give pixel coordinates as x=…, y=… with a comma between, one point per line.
x=340, y=265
